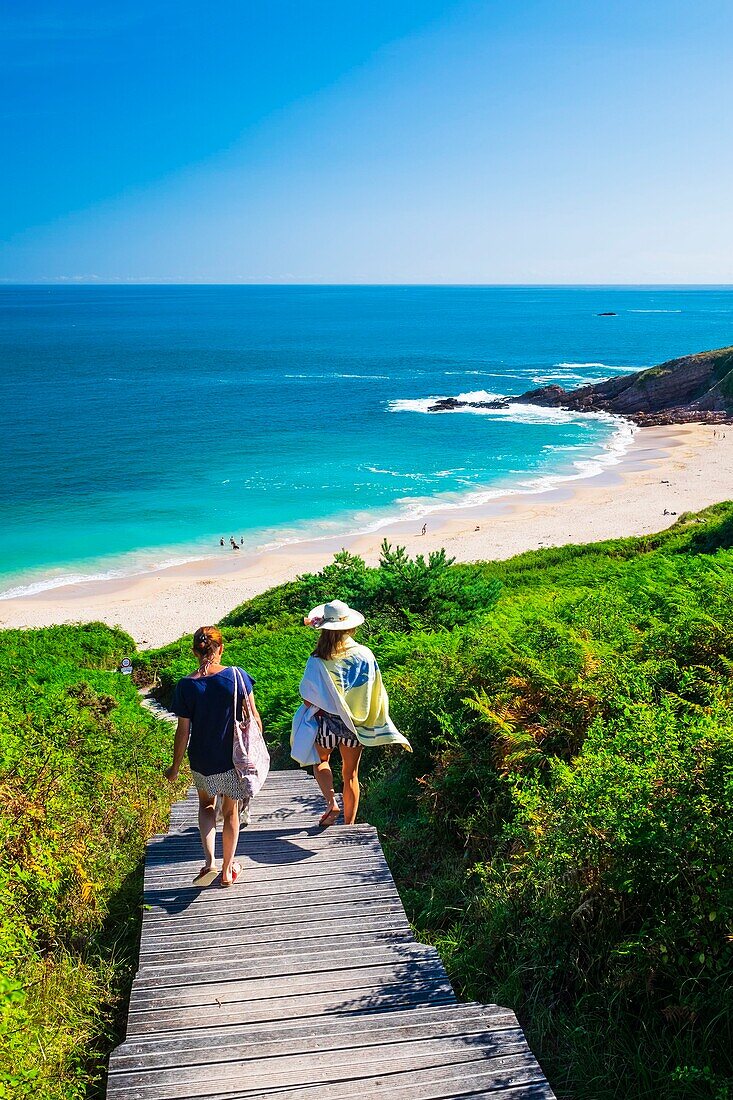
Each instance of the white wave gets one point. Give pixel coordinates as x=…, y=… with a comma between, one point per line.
x=395, y=473
x=612, y=452
x=419, y=404
x=567, y=376
x=517, y=412
x=480, y=395
x=564, y=447
x=655, y=311
x=62, y=579
x=579, y=366
x=337, y=374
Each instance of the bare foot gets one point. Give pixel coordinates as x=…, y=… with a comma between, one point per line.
x=236, y=871
x=331, y=816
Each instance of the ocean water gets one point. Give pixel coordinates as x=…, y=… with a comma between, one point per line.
x=141, y=424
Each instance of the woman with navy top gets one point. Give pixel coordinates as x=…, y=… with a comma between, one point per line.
x=204, y=704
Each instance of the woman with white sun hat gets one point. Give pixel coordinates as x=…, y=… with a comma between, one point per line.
x=344, y=705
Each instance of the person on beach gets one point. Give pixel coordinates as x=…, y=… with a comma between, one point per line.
x=344, y=705
x=204, y=704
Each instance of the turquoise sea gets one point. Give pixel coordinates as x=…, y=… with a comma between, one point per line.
x=143, y=423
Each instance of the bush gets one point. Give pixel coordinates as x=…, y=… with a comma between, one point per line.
x=80, y=790
x=562, y=832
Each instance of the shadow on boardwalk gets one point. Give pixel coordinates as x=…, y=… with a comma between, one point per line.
x=304, y=977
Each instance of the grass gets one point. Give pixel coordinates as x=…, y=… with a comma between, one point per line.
x=80, y=782
x=562, y=832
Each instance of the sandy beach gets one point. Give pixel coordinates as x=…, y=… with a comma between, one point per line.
x=682, y=468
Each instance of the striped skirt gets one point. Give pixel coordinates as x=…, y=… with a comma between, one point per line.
x=332, y=732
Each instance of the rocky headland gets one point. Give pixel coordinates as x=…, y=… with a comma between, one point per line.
x=695, y=388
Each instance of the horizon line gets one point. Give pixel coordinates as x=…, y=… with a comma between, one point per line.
x=117, y=284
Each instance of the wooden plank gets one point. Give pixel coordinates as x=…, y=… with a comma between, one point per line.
x=183, y=874
x=231, y=989
x=267, y=910
x=372, y=871
x=473, y=1077
x=314, y=1056
x=282, y=851
x=346, y=836
x=184, y=951
x=264, y=840
x=369, y=998
x=266, y=923
x=298, y=849
x=172, y=903
x=292, y=1036
x=325, y=1066
x=368, y=869
x=174, y=900
x=477, y=1083
x=382, y=1070
x=266, y=916
x=230, y=968
x=225, y=944
x=302, y=981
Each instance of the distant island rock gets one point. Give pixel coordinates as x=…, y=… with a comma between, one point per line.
x=693, y=388
x=608, y=313
x=450, y=404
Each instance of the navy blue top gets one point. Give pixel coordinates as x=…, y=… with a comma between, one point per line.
x=209, y=702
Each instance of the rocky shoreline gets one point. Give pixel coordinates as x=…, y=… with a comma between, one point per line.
x=693, y=389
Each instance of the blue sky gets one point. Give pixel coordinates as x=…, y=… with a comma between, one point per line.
x=301, y=141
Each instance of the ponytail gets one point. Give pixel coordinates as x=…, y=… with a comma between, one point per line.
x=206, y=642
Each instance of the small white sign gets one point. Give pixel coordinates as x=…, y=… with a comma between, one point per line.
x=126, y=666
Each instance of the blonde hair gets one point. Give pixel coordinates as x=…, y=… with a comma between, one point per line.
x=206, y=642
x=330, y=642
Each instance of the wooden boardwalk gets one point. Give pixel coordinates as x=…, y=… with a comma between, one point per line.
x=301, y=981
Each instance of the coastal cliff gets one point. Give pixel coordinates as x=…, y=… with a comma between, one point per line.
x=692, y=388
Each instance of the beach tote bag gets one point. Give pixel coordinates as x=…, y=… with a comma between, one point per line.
x=250, y=756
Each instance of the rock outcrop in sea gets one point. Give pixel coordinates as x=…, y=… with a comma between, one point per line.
x=693, y=388
x=448, y=404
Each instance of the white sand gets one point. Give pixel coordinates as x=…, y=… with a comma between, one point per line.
x=682, y=469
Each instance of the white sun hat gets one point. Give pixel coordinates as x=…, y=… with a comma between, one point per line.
x=335, y=615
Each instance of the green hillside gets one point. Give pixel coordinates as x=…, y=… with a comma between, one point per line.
x=562, y=833
x=79, y=793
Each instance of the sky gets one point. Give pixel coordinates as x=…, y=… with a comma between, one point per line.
x=366, y=141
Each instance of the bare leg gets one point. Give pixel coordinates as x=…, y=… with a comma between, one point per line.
x=324, y=777
x=230, y=835
x=207, y=827
x=350, y=765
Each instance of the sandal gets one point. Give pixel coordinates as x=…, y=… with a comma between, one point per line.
x=236, y=871
x=206, y=876
x=330, y=817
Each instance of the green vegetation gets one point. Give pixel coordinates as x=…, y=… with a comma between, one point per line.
x=562, y=833
x=655, y=372
x=79, y=793
x=724, y=364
